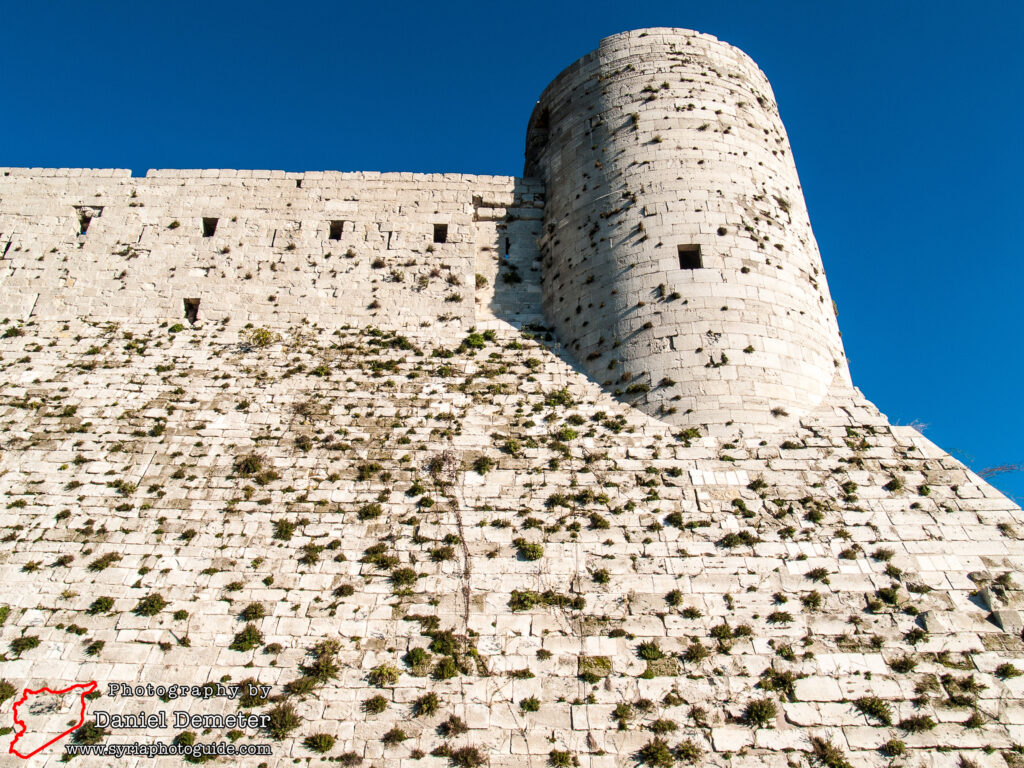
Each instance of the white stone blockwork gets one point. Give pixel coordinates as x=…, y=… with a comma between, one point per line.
x=679, y=264
x=363, y=472
x=261, y=247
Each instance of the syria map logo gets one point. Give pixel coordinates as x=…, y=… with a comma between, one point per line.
x=20, y=728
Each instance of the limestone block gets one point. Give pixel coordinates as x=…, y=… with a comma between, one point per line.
x=731, y=738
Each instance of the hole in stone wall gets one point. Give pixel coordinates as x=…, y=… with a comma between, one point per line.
x=336, y=229
x=543, y=124
x=536, y=141
x=209, y=227
x=191, y=310
x=298, y=183
x=689, y=257
x=440, y=233
x=85, y=216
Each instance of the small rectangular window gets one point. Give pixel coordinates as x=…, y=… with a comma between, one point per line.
x=209, y=227
x=689, y=257
x=440, y=233
x=337, y=227
x=191, y=310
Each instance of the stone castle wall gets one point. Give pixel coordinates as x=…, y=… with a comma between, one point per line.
x=661, y=139
x=277, y=248
x=446, y=549
x=658, y=140
x=682, y=580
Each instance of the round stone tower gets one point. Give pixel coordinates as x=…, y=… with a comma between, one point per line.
x=678, y=262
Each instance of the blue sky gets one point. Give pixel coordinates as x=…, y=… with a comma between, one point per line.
x=905, y=119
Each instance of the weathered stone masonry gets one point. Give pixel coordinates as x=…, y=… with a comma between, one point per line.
x=679, y=262
x=259, y=246
x=362, y=473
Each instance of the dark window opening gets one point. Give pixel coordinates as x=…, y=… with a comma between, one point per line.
x=543, y=125
x=536, y=142
x=336, y=230
x=85, y=216
x=192, y=310
x=440, y=233
x=209, y=227
x=689, y=257
x=298, y=183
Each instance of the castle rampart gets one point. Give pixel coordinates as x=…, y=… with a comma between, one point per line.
x=413, y=545
x=396, y=249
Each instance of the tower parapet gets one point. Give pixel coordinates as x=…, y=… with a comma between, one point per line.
x=678, y=262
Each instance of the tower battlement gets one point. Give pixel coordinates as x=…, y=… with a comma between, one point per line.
x=679, y=265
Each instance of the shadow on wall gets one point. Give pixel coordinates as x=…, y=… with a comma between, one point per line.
x=514, y=267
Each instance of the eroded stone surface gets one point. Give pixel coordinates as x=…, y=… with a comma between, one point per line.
x=810, y=568
x=401, y=514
